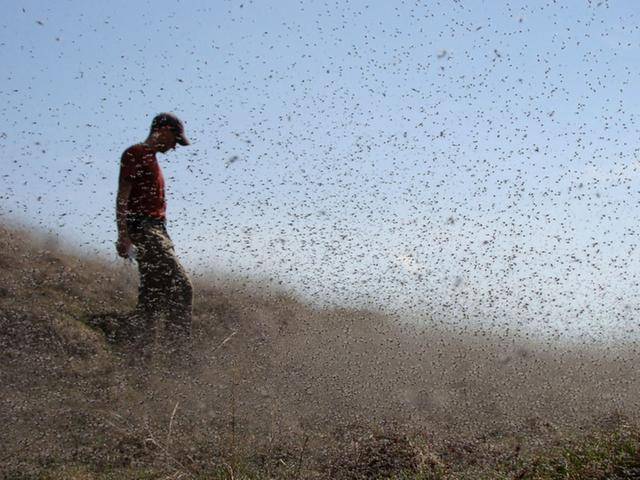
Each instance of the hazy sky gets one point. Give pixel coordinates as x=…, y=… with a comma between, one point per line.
x=473, y=159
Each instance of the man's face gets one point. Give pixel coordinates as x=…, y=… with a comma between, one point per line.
x=166, y=139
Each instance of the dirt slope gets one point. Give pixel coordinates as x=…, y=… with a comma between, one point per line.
x=271, y=376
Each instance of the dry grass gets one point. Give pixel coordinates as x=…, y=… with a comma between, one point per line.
x=283, y=390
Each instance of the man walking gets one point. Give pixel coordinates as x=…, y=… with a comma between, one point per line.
x=165, y=289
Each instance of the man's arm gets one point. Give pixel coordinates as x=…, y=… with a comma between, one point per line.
x=124, y=242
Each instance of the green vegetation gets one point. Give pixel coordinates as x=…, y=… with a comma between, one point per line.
x=606, y=455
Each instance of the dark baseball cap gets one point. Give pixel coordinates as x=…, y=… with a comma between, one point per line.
x=170, y=120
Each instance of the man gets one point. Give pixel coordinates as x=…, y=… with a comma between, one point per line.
x=165, y=289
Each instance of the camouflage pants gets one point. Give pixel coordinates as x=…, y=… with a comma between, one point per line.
x=165, y=291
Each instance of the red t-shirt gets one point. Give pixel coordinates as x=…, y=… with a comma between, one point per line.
x=140, y=167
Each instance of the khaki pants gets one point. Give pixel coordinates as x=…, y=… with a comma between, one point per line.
x=165, y=291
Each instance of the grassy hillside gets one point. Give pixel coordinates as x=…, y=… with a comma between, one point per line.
x=282, y=390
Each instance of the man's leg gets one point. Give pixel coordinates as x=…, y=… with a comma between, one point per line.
x=145, y=318
x=179, y=301
x=179, y=311
x=165, y=288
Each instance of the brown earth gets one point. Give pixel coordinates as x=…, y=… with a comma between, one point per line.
x=283, y=386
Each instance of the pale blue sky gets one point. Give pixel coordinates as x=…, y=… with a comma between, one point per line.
x=475, y=159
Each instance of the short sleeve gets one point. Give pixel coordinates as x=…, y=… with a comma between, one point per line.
x=130, y=164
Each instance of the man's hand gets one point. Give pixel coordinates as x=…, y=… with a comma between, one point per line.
x=123, y=245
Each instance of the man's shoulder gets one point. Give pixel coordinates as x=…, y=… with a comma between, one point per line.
x=137, y=152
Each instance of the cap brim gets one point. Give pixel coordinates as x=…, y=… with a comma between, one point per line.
x=182, y=140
